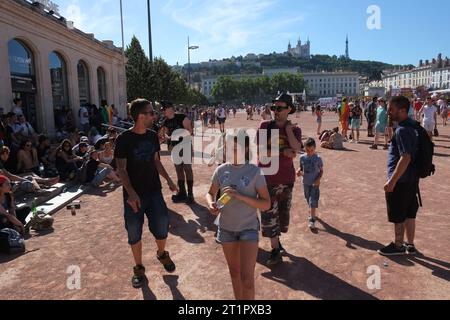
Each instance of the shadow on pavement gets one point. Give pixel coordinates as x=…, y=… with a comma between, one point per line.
x=205, y=219
x=172, y=283
x=301, y=274
x=188, y=231
x=440, y=269
x=4, y=258
x=352, y=240
x=147, y=293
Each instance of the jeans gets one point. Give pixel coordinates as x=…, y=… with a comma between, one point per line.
x=154, y=207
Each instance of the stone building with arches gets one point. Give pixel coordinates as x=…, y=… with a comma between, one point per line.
x=53, y=67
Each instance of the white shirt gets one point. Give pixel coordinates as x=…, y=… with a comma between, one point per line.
x=429, y=113
x=18, y=111
x=221, y=113
x=84, y=116
x=27, y=129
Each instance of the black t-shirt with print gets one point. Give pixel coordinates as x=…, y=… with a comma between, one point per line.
x=174, y=124
x=356, y=113
x=139, y=150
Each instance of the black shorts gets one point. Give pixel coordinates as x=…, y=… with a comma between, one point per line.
x=221, y=120
x=403, y=204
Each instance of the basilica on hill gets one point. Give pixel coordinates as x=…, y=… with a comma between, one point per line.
x=301, y=50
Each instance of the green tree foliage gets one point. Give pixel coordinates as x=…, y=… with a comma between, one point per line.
x=256, y=89
x=156, y=81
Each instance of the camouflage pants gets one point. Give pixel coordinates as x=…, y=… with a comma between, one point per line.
x=276, y=220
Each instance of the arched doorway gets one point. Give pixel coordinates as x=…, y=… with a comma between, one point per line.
x=58, y=76
x=23, y=78
x=102, y=90
x=83, y=83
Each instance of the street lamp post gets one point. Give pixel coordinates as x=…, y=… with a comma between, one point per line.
x=150, y=47
x=189, y=60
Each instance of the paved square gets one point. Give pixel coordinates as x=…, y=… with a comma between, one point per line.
x=331, y=264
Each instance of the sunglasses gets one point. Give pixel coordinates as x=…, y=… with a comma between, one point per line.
x=278, y=108
x=151, y=113
x=28, y=145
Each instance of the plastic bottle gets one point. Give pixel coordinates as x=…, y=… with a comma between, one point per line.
x=34, y=209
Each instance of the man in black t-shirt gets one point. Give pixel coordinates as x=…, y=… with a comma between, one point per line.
x=139, y=165
x=177, y=128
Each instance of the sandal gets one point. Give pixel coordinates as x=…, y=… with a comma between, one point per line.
x=166, y=261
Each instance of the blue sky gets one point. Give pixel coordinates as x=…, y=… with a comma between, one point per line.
x=223, y=28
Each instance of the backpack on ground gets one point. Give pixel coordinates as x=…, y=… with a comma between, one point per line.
x=11, y=242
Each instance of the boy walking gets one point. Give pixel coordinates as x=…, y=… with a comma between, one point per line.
x=311, y=169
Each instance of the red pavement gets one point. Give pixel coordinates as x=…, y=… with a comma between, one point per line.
x=331, y=264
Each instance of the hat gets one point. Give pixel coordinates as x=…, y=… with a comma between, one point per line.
x=284, y=97
x=83, y=144
x=84, y=139
x=166, y=105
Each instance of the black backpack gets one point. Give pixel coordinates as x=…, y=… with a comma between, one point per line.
x=11, y=242
x=425, y=152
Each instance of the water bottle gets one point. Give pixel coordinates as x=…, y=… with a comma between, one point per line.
x=34, y=209
x=223, y=201
x=41, y=170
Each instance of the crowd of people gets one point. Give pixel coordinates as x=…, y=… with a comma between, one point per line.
x=239, y=190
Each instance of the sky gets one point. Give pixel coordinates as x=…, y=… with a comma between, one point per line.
x=403, y=32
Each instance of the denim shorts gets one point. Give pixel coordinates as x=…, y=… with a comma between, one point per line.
x=312, y=196
x=225, y=236
x=154, y=207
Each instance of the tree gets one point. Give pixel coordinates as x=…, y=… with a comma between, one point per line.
x=137, y=71
x=287, y=82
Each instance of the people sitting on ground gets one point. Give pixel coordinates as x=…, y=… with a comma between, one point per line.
x=83, y=139
x=11, y=138
x=25, y=130
x=29, y=183
x=74, y=137
x=8, y=215
x=83, y=150
x=97, y=172
x=27, y=158
x=94, y=136
x=335, y=142
x=107, y=154
x=67, y=162
x=47, y=157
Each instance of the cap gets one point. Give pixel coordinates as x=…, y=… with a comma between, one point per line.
x=284, y=97
x=166, y=105
x=84, y=139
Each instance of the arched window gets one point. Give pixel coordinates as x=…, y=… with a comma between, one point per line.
x=83, y=83
x=21, y=60
x=58, y=76
x=23, y=79
x=101, y=78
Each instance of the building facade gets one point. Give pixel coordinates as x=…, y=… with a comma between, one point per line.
x=330, y=84
x=53, y=67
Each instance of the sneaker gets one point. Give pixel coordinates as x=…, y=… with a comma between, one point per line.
x=373, y=147
x=393, y=250
x=180, y=198
x=410, y=249
x=385, y=147
x=138, y=279
x=166, y=261
x=312, y=223
x=275, y=257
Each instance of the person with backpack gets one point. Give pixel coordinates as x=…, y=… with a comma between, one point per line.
x=371, y=116
x=410, y=158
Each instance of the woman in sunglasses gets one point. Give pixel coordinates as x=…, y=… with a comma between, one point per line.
x=66, y=161
x=27, y=158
